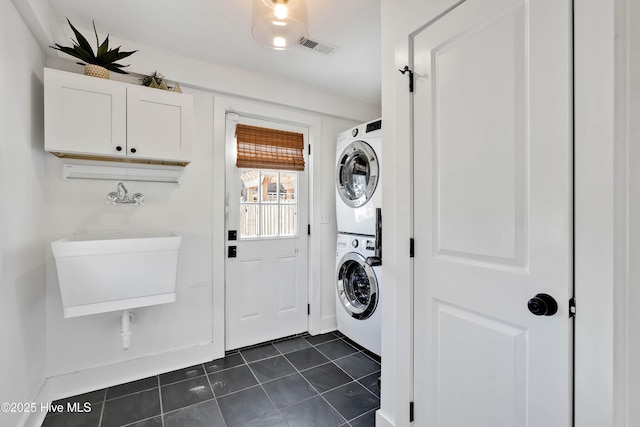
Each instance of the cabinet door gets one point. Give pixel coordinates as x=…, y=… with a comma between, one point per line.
x=84, y=115
x=159, y=124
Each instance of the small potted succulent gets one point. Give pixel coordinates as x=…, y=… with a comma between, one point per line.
x=156, y=80
x=96, y=64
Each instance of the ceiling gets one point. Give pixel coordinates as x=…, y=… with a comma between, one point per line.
x=219, y=31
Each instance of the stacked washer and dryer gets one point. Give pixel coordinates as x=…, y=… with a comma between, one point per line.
x=358, y=214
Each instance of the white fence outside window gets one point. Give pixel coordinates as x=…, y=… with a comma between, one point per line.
x=268, y=204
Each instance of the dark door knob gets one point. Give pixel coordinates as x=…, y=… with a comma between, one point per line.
x=133, y=150
x=543, y=305
x=118, y=148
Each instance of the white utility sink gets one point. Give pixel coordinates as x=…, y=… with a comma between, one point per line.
x=116, y=270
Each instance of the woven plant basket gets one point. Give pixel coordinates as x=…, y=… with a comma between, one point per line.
x=96, y=71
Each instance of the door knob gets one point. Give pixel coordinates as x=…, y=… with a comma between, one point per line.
x=543, y=305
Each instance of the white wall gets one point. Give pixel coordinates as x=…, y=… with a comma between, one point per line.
x=399, y=19
x=22, y=242
x=628, y=37
x=597, y=213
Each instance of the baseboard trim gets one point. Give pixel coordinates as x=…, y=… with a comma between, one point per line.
x=382, y=420
x=74, y=383
x=35, y=419
x=328, y=324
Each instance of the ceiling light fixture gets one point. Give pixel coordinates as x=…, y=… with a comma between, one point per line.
x=279, y=24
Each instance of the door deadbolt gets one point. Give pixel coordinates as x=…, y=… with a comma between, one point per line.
x=232, y=252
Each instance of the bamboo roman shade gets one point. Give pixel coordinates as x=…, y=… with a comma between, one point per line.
x=263, y=148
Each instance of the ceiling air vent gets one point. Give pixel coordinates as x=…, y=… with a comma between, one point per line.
x=317, y=46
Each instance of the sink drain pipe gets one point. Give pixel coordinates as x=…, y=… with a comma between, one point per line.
x=128, y=318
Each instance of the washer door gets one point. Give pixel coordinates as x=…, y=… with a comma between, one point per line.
x=357, y=286
x=357, y=174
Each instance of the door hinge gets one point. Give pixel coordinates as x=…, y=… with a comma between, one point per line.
x=309, y=229
x=411, y=247
x=572, y=307
x=410, y=412
x=308, y=309
x=406, y=69
x=309, y=149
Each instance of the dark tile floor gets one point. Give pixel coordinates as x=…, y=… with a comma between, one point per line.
x=322, y=380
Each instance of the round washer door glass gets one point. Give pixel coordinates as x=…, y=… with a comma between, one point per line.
x=357, y=174
x=357, y=286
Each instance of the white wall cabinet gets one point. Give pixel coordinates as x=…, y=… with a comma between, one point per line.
x=88, y=117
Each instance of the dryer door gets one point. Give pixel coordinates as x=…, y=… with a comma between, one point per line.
x=357, y=286
x=357, y=174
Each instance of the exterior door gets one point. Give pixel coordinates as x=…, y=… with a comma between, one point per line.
x=266, y=269
x=493, y=215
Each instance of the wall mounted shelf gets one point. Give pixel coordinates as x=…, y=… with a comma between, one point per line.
x=122, y=172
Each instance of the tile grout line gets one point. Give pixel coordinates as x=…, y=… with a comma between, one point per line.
x=367, y=388
x=133, y=423
x=279, y=353
x=303, y=377
x=263, y=389
x=324, y=398
x=160, y=397
x=213, y=393
x=362, y=415
x=311, y=385
x=104, y=403
x=300, y=374
x=356, y=379
x=133, y=392
x=350, y=376
x=206, y=373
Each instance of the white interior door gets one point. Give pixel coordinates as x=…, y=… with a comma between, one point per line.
x=266, y=283
x=493, y=215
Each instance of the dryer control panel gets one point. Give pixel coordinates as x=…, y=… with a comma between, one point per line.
x=370, y=245
x=364, y=245
x=377, y=125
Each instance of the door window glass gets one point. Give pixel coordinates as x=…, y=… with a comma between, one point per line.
x=268, y=204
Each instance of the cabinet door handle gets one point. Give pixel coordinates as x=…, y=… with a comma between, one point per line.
x=133, y=150
x=118, y=148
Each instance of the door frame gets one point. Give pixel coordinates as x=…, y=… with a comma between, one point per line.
x=602, y=282
x=247, y=108
x=234, y=119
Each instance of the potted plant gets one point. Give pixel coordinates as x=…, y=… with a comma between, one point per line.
x=156, y=80
x=96, y=64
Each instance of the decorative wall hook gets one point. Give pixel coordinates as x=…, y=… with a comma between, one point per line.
x=405, y=70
